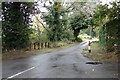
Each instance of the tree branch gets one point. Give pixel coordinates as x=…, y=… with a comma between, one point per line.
x=41, y=23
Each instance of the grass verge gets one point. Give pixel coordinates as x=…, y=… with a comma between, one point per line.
x=21, y=53
x=98, y=54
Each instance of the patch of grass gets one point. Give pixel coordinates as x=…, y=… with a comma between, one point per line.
x=98, y=54
x=14, y=54
x=21, y=53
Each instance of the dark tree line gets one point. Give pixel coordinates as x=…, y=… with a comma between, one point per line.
x=15, y=25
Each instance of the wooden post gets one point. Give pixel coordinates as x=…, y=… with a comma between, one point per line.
x=38, y=45
x=41, y=44
x=45, y=44
x=48, y=44
x=33, y=45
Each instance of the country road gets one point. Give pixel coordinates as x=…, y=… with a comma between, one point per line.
x=65, y=63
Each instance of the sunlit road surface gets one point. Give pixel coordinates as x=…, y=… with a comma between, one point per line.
x=66, y=63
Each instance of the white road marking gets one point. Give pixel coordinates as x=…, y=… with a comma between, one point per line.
x=21, y=72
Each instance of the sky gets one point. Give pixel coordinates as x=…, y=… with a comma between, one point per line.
x=103, y=2
x=107, y=1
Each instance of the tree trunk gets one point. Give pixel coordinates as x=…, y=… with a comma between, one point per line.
x=76, y=33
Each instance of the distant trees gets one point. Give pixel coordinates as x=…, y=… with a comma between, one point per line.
x=77, y=23
x=82, y=12
x=15, y=25
x=61, y=22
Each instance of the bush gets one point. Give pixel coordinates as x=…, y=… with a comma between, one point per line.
x=79, y=40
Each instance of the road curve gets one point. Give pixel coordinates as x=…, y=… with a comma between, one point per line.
x=66, y=63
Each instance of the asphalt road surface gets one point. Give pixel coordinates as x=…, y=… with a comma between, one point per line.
x=65, y=63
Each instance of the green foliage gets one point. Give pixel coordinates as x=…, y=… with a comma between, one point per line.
x=79, y=40
x=38, y=36
x=102, y=37
x=108, y=21
x=15, y=25
x=56, y=22
x=78, y=22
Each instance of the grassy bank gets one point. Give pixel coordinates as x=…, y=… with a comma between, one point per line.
x=98, y=54
x=21, y=53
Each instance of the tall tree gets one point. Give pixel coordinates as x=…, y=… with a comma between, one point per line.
x=56, y=21
x=15, y=24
